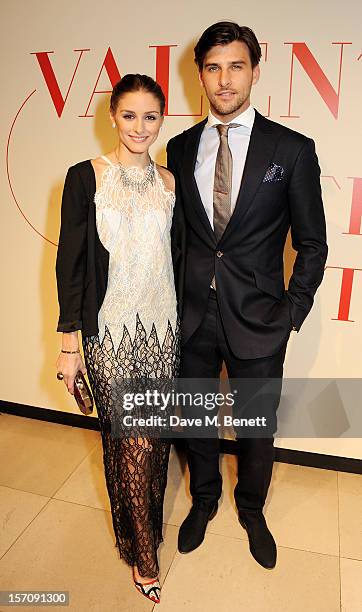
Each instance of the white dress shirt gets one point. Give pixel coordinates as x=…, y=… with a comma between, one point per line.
x=238, y=139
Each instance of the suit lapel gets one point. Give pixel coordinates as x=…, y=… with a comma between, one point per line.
x=190, y=156
x=261, y=148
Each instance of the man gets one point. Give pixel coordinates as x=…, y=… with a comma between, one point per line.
x=242, y=181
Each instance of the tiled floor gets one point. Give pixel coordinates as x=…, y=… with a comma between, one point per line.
x=56, y=533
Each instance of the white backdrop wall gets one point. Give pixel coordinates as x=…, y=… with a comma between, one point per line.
x=57, y=62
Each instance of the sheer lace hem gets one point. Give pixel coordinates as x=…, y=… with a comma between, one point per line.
x=135, y=466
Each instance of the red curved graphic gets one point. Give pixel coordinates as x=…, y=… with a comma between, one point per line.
x=8, y=171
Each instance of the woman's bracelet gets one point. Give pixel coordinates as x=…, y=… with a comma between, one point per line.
x=70, y=352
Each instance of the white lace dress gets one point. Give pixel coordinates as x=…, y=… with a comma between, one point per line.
x=139, y=309
x=138, y=338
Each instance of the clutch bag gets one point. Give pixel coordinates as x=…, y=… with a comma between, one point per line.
x=82, y=394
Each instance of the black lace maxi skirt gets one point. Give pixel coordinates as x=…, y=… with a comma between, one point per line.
x=135, y=462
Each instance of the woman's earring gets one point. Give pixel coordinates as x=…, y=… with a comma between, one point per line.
x=113, y=125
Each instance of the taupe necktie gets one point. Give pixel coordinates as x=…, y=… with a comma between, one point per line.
x=222, y=183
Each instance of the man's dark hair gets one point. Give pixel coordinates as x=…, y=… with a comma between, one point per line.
x=223, y=33
x=136, y=82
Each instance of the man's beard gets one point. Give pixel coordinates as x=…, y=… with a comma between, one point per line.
x=228, y=108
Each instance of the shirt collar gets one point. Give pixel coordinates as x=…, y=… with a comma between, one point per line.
x=246, y=119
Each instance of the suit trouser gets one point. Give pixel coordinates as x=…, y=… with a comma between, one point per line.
x=202, y=357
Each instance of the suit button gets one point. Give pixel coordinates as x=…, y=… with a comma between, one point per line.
x=219, y=254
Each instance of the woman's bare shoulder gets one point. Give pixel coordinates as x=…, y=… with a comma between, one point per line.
x=100, y=163
x=167, y=177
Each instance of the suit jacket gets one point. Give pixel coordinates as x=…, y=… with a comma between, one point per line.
x=82, y=261
x=280, y=189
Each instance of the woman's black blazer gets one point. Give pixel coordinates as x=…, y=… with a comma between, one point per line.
x=82, y=261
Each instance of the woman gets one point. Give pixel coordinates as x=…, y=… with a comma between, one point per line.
x=115, y=284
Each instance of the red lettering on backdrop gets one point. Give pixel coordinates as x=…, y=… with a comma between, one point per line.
x=333, y=179
x=355, y=221
x=265, y=57
x=346, y=292
x=114, y=76
x=300, y=50
x=307, y=60
x=163, y=69
x=163, y=76
x=51, y=79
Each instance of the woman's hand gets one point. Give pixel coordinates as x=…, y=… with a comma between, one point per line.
x=69, y=364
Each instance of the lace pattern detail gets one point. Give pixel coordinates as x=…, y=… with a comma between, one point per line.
x=135, y=228
x=135, y=464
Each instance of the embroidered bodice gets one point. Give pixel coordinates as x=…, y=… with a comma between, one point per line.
x=134, y=216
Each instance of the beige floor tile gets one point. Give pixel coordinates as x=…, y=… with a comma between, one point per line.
x=17, y=510
x=87, y=485
x=37, y=456
x=350, y=514
x=351, y=585
x=71, y=547
x=177, y=496
x=302, y=508
x=222, y=575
